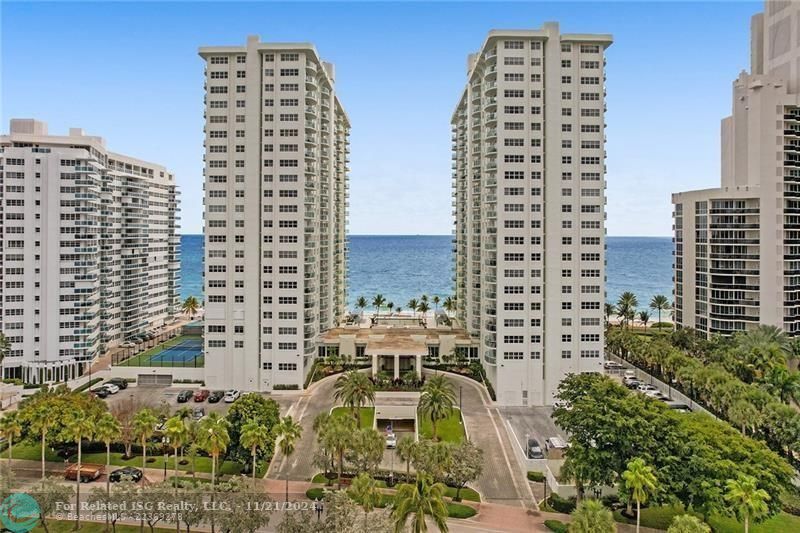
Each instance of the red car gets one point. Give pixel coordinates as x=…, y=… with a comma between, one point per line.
x=201, y=395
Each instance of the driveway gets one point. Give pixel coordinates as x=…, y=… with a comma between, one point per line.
x=533, y=422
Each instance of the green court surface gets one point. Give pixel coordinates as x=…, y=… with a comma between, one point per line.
x=182, y=351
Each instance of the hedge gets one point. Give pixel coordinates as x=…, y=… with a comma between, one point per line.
x=88, y=384
x=536, y=476
x=560, y=505
x=556, y=525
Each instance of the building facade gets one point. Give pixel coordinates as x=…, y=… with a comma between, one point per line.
x=529, y=197
x=737, y=247
x=90, y=251
x=276, y=196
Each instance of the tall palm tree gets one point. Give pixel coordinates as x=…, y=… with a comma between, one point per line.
x=660, y=303
x=361, y=304
x=417, y=500
x=423, y=298
x=10, y=428
x=592, y=517
x=144, y=425
x=287, y=432
x=436, y=301
x=190, y=306
x=78, y=425
x=626, y=305
x=336, y=436
x=609, y=310
x=5, y=346
x=354, y=389
x=423, y=308
x=412, y=304
x=644, y=318
x=107, y=429
x=749, y=502
x=783, y=383
x=40, y=419
x=178, y=434
x=449, y=304
x=254, y=436
x=436, y=400
x=365, y=491
x=641, y=481
x=378, y=302
x=743, y=413
x=406, y=450
x=390, y=306
x=213, y=434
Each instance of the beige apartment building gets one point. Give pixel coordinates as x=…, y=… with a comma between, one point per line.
x=89, y=250
x=529, y=198
x=737, y=247
x=276, y=196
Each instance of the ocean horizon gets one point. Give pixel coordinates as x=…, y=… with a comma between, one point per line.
x=402, y=267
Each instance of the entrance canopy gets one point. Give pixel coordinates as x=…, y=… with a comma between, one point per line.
x=396, y=353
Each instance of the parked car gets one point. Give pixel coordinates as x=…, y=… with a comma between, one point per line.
x=111, y=388
x=655, y=394
x=611, y=365
x=128, y=344
x=232, y=395
x=391, y=441
x=119, y=382
x=644, y=387
x=127, y=473
x=89, y=472
x=534, y=450
x=201, y=395
x=198, y=413
x=630, y=374
x=100, y=392
x=184, y=396
x=216, y=396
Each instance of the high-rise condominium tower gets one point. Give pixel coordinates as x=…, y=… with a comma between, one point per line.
x=737, y=247
x=529, y=188
x=276, y=212
x=89, y=250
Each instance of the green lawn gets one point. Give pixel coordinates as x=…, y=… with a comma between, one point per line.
x=143, y=359
x=31, y=452
x=466, y=493
x=367, y=415
x=202, y=464
x=64, y=526
x=661, y=518
x=450, y=429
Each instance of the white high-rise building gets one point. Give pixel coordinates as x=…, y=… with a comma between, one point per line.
x=89, y=250
x=529, y=189
x=737, y=247
x=276, y=165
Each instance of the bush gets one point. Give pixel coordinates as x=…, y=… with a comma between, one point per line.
x=556, y=525
x=284, y=386
x=88, y=384
x=790, y=501
x=536, y=476
x=457, y=510
x=560, y=505
x=315, y=494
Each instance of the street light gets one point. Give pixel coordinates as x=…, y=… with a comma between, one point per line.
x=165, y=443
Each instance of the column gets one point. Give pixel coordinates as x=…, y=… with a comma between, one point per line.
x=418, y=366
x=375, y=365
x=396, y=366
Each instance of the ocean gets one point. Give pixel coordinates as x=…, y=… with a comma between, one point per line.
x=402, y=267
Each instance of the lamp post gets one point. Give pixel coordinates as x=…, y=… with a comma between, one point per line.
x=165, y=443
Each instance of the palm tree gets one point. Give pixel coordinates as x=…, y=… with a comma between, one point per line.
x=783, y=383
x=378, y=302
x=609, y=310
x=436, y=400
x=390, y=306
x=641, y=481
x=336, y=436
x=747, y=499
x=423, y=308
x=626, y=305
x=361, y=303
x=5, y=346
x=78, y=426
x=417, y=500
x=743, y=413
x=353, y=389
x=178, y=434
x=644, y=318
x=412, y=304
x=660, y=303
x=144, y=424
x=592, y=517
x=254, y=436
x=190, y=306
x=214, y=437
x=107, y=430
x=286, y=434
x=365, y=491
x=449, y=304
x=10, y=428
x=436, y=301
x=406, y=450
x=687, y=523
x=40, y=419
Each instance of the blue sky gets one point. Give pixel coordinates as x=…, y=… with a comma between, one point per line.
x=130, y=72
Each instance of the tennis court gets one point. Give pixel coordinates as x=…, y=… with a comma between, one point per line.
x=182, y=351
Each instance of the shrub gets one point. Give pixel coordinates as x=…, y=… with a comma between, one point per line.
x=536, y=476
x=556, y=525
x=285, y=386
x=457, y=510
x=315, y=493
x=790, y=501
x=560, y=505
x=88, y=384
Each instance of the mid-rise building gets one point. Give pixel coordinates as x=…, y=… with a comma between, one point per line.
x=737, y=247
x=529, y=189
x=276, y=189
x=89, y=250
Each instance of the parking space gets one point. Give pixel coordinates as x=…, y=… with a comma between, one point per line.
x=530, y=422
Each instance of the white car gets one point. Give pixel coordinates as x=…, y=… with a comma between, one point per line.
x=630, y=374
x=128, y=344
x=611, y=365
x=391, y=440
x=111, y=388
x=644, y=387
x=232, y=395
x=655, y=394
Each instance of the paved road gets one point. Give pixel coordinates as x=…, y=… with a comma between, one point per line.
x=532, y=421
x=503, y=480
